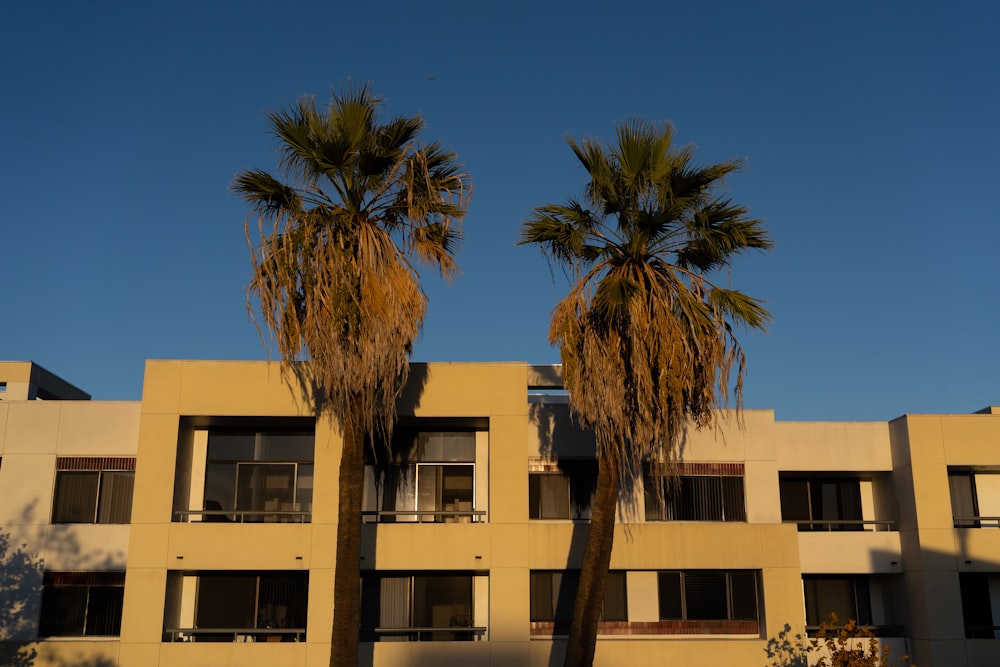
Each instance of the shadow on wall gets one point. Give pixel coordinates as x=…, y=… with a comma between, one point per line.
x=20, y=601
x=18, y=654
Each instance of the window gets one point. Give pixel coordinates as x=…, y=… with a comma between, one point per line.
x=81, y=604
x=708, y=595
x=258, y=476
x=975, y=497
x=847, y=597
x=93, y=490
x=980, y=619
x=419, y=607
x=562, y=492
x=553, y=594
x=694, y=498
x=239, y=606
x=429, y=476
x=822, y=503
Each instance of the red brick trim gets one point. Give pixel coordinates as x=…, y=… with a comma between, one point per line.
x=624, y=628
x=722, y=469
x=95, y=463
x=564, y=466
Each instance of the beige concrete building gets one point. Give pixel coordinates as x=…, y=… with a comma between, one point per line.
x=198, y=527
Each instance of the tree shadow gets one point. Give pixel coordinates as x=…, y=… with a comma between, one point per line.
x=20, y=601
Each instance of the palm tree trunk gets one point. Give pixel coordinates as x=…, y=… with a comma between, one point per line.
x=594, y=570
x=347, y=574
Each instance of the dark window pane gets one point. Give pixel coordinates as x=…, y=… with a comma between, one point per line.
x=534, y=496
x=116, y=497
x=553, y=496
x=64, y=610
x=265, y=487
x=285, y=447
x=734, y=505
x=963, y=499
x=977, y=613
x=104, y=611
x=850, y=504
x=582, y=485
x=705, y=595
x=304, y=487
x=615, y=600
x=226, y=601
x=231, y=446
x=654, y=504
x=794, y=500
x=671, y=607
x=744, y=595
x=564, y=585
x=281, y=600
x=76, y=497
x=826, y=595
x=542, y=598
x=446, y=446
x=701, y=499
x=220, y=489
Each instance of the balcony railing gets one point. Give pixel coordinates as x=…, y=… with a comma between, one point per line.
x=977, y=521
x=423, y=516
x=238, y=635
x=244, y=516
x=423, y=634
x=982, y=631
x=845, y=525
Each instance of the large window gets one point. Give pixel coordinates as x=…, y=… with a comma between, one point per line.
x=81, y=604
x=847, y=597
x=553, y=593
x=428, y=476
x=979, y=590
x=694, y=498
x=820, y=503
x=419, y=607
x=93, y=490
x=975, y=497
x=258, y=476
x=562, y=491
x=708, y=595
x=239, y=606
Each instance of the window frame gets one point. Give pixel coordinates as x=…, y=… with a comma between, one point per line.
x=302, y=495
x=395, y=476
x=413, y=587
x=579, y=482
x=86, y=586
x=562, y=589
x=676, y=508
x=848, y=518
x=682, y=590
x=860, y=591
x=63, y=512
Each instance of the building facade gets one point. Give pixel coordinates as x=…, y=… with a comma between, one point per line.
x=198, y=527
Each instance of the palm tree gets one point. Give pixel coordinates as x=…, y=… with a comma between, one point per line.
x=646, y=336
x=334, y=277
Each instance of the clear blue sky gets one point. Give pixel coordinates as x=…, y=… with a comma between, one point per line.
x=870, y=130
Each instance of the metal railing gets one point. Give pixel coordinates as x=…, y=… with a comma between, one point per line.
x=423, y=634
x=423, y=516
x=238, y=635
x=830, y=525
x=244, y=516
x=982, y=631
x=977, y=521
